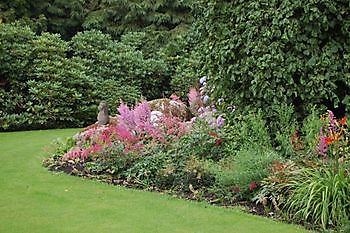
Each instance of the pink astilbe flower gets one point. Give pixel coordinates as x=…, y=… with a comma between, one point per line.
x=130, y=140
x=193, y=96
x=107, y=135
x=155, y=133
x=175, y=98
x=332, y=121
x=173, y=126
x=126, y=116
x=322, y=146
x=124, y=135
x=142, y=115
x=96, y=148
x=72, y=154
x=88, y=134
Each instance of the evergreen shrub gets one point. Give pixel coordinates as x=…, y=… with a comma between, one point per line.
x=264, y=53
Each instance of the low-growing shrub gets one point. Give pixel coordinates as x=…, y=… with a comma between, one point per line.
x=111, y=160
x=244, y=130
x=146, y=171
x=203, y=142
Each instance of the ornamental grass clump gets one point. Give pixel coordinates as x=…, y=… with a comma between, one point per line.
x=320, y=196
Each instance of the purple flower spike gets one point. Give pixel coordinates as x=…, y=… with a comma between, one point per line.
x=220, y=121
x=203, y=80
x=331, y=121
x=322, y=146
x=205, y=99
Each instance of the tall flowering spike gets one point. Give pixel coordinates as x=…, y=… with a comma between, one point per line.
x=203, y=80
x=142, y=114
x=220, y=121
x=126, y=116
x=322, y=146
x=193, y=96
x=332, y=121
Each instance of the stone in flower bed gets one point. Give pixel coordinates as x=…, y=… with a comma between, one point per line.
x=171, y=107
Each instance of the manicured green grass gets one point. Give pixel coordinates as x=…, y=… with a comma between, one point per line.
x=35, y=200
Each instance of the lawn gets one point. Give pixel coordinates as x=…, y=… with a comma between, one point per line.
x=35, y=200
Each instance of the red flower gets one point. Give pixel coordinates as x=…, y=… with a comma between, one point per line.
x=329, y=140
x=218, y=141
x=252, y=186
x=343, y=121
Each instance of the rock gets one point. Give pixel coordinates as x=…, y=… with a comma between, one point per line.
x=174, y=108
x=155, y=117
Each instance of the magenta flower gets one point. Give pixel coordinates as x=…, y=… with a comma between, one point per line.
x=142, y=115
x=322, y=146
x=126, y=116
x=332, y=121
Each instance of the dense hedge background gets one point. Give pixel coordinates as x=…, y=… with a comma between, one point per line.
x=257, y=54
x=264, y=53
x=48, y=82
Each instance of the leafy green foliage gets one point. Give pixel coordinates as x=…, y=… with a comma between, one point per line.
x=320, y=196
x=240, y=175
x=121, y=61
x=118, y=16
x=184, y=63
x=43, y=88
x=311, y=130
x=40, y=72
x=16, y=49
x=202, y=141
x=286, y=128
x=264, y=53
x=147, y=170
x=246, y=130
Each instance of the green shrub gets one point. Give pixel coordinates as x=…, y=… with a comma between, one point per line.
x=113, y=92
x=245, y=130
x=311, y=131
x=146, y=171
x=16, y=49
x=252, y=165
x=46, y=89
x=111, y=161
x=285, y=125
x=184, y=64
x=320, y=196
x=202, y=142
x=264, y=53
x=121, y=61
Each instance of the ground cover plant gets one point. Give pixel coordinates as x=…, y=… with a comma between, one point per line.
x=33, y=200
